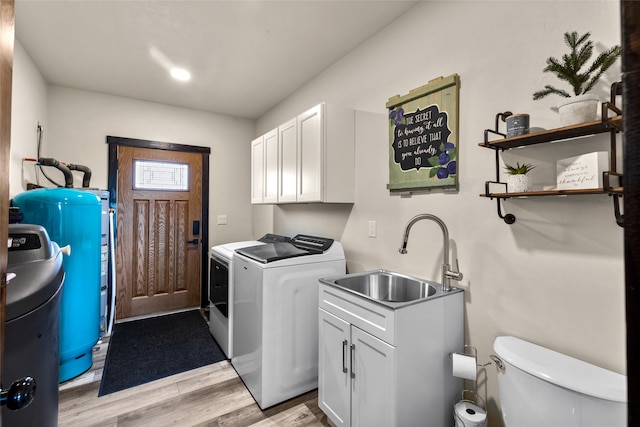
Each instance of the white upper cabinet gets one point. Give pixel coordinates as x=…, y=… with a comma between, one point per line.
x=310, y=158
x=315, y=158
x=271, y=167
x=326, y=154
x=257, y=170
x=288, y=171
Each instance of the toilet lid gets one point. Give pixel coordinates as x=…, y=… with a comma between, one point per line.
x=470, y=413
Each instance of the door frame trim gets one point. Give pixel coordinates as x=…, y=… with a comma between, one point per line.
x=112, y=180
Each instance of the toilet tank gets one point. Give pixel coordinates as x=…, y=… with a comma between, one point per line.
x=541, y=387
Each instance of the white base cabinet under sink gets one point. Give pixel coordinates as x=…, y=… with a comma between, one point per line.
x=373, y=360
x=384, y=367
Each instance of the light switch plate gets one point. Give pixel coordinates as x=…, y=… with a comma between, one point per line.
x=373, y=229
x=222, y=220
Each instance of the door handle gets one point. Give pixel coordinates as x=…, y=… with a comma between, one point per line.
x=344, y=356
x=20, y=394
x=193, y=242
x=353, y=355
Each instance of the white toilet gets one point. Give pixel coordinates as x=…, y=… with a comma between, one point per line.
x=540, y=387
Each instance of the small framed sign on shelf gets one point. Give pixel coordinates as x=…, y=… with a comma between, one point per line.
x=423, y=136
x=582, y=172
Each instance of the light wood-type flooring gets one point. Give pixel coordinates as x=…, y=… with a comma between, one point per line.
x=212, y=396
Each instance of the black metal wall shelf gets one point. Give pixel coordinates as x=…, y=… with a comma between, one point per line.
x=611, y=125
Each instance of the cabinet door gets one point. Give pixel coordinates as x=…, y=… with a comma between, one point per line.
x=333, y=368
x=288, y=176
x=373, y=388
x=310, y=154
x=271, y=166
x=257, y=170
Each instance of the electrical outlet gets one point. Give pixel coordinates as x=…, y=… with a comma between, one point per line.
x=222, y=220
x=372, y=229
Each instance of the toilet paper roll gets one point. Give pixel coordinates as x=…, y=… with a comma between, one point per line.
x=467, y=414
x=464, y=366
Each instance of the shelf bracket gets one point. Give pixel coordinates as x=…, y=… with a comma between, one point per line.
x=616, y=210
x=499, y=116
x=616, y=193
x=616, y=89
x=507, y=218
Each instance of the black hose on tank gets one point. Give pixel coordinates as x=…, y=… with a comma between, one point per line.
x=68, y=176
x=86, y=178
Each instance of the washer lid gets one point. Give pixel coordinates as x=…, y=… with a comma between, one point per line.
x=277, y=249
x=272, y=252
x=562, y=370
x=226, y=250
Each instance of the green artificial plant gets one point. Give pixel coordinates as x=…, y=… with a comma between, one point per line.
x=569, y=69
x=519, y=169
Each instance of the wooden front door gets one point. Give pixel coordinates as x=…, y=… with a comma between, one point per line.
x=158, y=233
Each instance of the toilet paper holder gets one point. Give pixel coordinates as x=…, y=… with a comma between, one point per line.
x=475, y=398
x=498, y=362
x=470, y=351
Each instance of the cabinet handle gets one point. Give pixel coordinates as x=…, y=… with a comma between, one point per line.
x=344, y=356
x=353, y=354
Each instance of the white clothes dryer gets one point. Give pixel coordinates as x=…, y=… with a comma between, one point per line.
x=221, y=289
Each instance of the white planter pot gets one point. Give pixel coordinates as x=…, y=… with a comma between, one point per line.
x=579, y=109
x=518, y=183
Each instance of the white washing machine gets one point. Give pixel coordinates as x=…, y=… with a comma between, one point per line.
x=221, y=289
x=275, y=314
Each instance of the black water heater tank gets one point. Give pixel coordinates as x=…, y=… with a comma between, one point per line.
x=32, y=323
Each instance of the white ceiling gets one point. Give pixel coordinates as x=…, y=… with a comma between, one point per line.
x=245, y=56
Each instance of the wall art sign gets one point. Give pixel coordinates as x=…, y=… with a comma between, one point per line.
x=423, y=136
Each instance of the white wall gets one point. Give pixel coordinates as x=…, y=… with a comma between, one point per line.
x=29, y=107
x=556, y=276
x=76, y=124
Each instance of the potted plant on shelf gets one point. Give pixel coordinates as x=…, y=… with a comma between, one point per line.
x=519, y=181
x=581, y=106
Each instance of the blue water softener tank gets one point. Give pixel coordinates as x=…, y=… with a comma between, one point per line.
x=72, y=217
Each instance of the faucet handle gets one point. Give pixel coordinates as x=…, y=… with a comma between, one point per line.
x=455, y=275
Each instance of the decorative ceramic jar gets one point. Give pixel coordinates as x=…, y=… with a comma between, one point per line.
x=517, y=124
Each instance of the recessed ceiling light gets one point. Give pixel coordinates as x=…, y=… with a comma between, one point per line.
x=180, y=74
